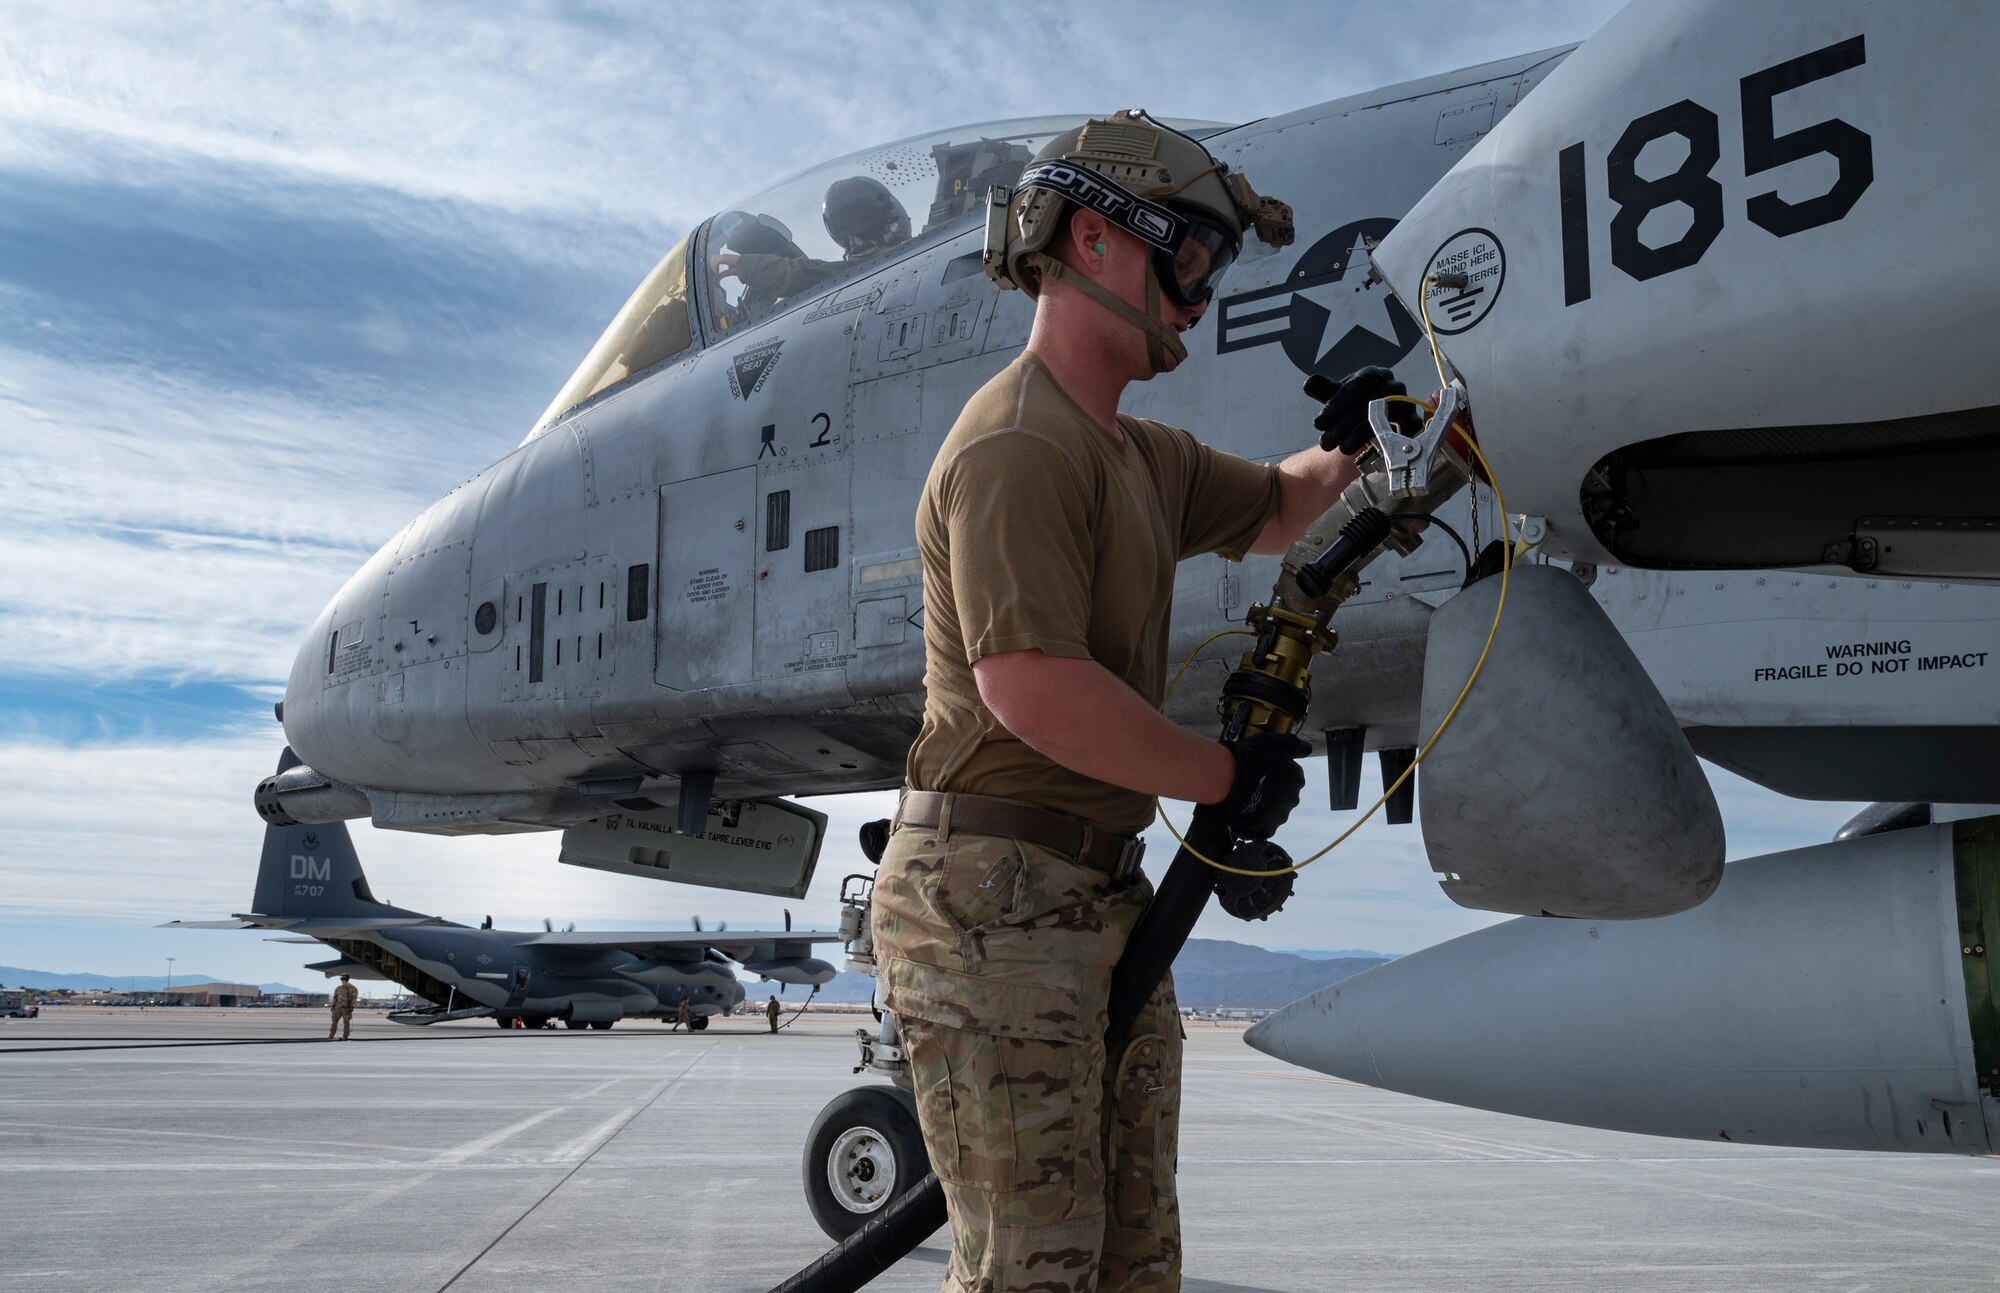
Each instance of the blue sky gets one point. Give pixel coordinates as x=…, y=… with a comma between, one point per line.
x=272, y=279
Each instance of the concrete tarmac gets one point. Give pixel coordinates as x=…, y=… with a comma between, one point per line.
x=192, y=1149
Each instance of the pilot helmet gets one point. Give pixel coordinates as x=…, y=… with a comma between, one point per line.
x=1150, y=180
x=863, y=216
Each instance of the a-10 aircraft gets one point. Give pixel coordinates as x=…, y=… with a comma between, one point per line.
x=1719, y=282
x=310, y=886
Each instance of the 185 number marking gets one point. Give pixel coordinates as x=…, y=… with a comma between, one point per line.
x=1691, y=185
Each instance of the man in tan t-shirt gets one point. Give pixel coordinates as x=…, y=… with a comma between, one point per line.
x=1049, y=530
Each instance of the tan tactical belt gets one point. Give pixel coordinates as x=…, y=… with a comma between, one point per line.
x=1115, y=855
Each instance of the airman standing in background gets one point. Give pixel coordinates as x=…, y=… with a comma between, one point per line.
x=771, y=1011
x=342, y=1006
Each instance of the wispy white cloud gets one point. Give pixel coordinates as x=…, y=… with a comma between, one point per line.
x=657, y=114
x=160, y=527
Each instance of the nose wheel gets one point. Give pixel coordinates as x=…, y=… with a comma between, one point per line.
x=864, y=1150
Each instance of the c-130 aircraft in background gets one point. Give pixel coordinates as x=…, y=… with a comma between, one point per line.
x=311, y=889
x=1723, y=268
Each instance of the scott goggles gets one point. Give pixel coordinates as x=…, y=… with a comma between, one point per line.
x=1190, y=254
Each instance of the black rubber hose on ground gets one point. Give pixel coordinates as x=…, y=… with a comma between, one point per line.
x=1156, y=940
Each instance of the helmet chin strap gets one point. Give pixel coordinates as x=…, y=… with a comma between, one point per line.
x=1161, y=340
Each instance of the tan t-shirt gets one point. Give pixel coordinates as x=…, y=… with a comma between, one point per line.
x=1039, y=531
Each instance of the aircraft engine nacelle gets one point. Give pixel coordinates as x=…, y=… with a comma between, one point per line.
x=1725, y=277
x=598, y=1010
x=801, y=971
x=1842, y=996
x=678, y=974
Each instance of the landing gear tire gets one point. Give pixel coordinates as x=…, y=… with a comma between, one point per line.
x=503, y=1021
x=863, y=1151
x=698, y=1024
x=575, y=1023
x=601, y=1024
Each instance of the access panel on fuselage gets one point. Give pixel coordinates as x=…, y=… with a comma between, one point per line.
x=805, y=544
x=707, y=580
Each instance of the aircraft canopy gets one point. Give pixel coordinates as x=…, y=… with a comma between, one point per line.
x=804, y=237
x=653, y=326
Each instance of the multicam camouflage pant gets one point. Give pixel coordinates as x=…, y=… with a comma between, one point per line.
x=342, y=1020
x=1058, y=1168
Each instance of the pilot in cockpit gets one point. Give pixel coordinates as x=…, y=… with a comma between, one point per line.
x=862, y=217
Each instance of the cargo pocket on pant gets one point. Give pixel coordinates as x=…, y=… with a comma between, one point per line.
x=1141, y=1147
x=996, y=1067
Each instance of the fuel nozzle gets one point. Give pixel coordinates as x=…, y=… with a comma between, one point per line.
x=1403, y=477
x=1271, y=688
x=1364, y=532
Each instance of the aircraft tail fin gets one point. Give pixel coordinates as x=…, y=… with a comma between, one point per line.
x=314, y=871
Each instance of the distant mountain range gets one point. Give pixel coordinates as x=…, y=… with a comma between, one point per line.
x=1314, y=955
x=1209, y=972
x=13, y=976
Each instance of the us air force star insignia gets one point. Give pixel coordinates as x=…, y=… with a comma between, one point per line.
x=1368, y=327
x=748, y=371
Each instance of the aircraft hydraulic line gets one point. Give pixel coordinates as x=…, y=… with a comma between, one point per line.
x=1403, y=479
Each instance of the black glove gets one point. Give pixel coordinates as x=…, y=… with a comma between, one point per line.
x=1343, y=423
x=1267, y=785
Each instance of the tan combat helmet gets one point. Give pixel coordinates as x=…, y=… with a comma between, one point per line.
x=1153, y=182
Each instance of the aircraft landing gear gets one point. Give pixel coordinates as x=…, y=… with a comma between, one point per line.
x=601, y=1024
x=575, y=1023
x=504, y=1021
x=863, y=1151
x=698, y=1024
x=865, y=1148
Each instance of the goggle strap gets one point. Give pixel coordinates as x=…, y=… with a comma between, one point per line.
x=1157, y=333
x=1146, y=220
x=1161, y=340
